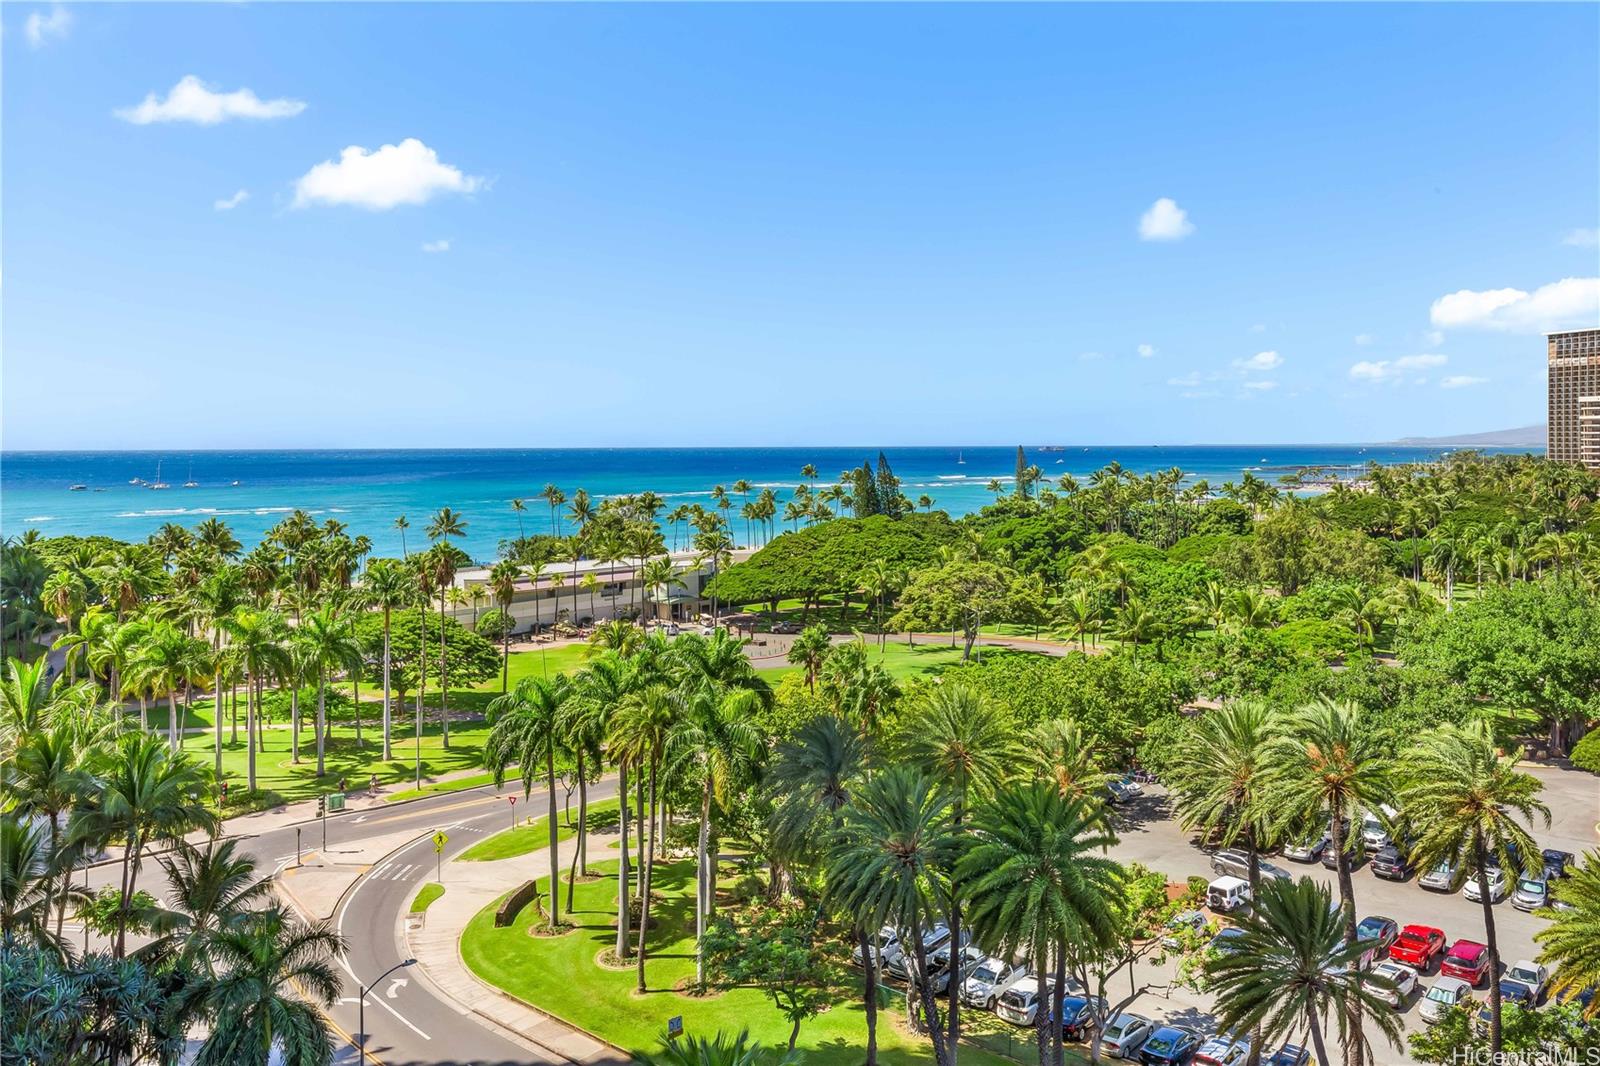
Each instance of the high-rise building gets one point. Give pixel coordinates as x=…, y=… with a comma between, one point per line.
x=1575, y=397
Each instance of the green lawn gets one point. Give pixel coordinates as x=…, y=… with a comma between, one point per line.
x=529, y=837
x=430, y=892
x=559, y=975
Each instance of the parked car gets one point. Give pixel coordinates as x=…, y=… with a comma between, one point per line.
x=786, y=626
x=1223, y=1050
x=939, y=964
x=1079, y=1016
x=1235, y=862
x=1417, y=946
x=1468, y=960
x=1378, y=928
x=1132, y=784
x=1439, y=879
x=1019, y=1002
x=1118, y=793
x=1190, y=920
x=1290, y=1055
x=1445, y=993
x=1557, y=864
x=1125, y=1034
x=1169, y=1046
x=1354, y=850
x=1524, y=983
x=986, y=978
x=1308, y=848
x=1531, y=894
x=887, y=938
x=1228, y=894
x=1390, y=864
x=1375, y=827
x=898, y=958
x=1395, y=983
x=1226, y=940
x=1497, y=886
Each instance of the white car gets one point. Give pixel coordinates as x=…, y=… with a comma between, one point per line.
x=887, y=938
x=1445, y=993
x=1402, y=978
x=1525, y=981
x=986, y=979
x=1020, y=1000
x=1223, y=1050
x=1125, y=1034
x=1497, y=887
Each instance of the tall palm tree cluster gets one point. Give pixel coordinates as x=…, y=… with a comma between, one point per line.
x=1253, y=777
x=218, y=954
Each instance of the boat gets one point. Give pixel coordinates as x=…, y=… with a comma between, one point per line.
x=77, y=488
x=136, y=481
x=191, y=483
x=233, y=484
x=158, y=483
x=959, y=460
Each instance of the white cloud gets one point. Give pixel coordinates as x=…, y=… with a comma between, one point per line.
x=1262, y=385
x=1363, y=339
x=191, y=100
x=1461, y=381
x=1434, y=338
x=1146, y=351
x=1090, y=356
x=1583, y=238
x=1370, y=370
x=1420, y=362
x=1565, y=304
x=1187, y=381
x=1259, y=361
x=1202, y=394
x=1165, y=221
x=41, y=29
x=1259, y=327
x=441, y=245
x=233, y=201
x=395, y=174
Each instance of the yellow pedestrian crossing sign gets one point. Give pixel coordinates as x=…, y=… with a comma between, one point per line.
x=439, y=841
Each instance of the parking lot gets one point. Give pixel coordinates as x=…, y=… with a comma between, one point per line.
x=1151, y=836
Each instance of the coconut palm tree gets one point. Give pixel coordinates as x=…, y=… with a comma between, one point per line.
x=1081, y=613
x=148, y=794
x=1290, y=967
x=48, y=776
x=328, y=639
x=166, y=661
x=555, y=498
x=809, y=650
x=28, y=874
x=526, y=731
x=958, y=737
x=717, y=741
x=257, y=644
x=640, y=731
x=1036, y=887
x=718, y=1050
x=446, y=559
x=389, y=588
x=1323, y=761
x=213, y=888
x=1571, y=942
x=274, y=974
x=889, y=864
x=503, y=585
x=1469, y=806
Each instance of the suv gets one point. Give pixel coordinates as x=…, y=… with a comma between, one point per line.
x=1390, y=865
x=1557, y=863
x=1020, y=1001
x=1468, y=960
x=986, y=978
x=898, y=958
x=1235, y=862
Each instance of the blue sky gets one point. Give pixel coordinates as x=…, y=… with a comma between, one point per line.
x=790, y=224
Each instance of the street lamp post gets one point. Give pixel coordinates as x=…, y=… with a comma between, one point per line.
x=361, y=1005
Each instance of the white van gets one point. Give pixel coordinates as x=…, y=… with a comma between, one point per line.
x=1375, y=827
x=1228, y=894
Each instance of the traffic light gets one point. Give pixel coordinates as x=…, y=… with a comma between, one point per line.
x=322, y=806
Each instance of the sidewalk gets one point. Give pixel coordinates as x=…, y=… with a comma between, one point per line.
x=435, y=943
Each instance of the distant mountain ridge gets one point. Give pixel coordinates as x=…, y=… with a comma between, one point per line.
x=1521, y=437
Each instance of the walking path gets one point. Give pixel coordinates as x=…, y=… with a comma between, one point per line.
x=434, y=941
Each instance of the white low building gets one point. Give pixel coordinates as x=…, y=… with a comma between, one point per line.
x=592, y=590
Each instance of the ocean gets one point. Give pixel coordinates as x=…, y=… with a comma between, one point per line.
x=367, y=489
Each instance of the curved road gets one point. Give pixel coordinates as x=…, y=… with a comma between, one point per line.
x=406, y=1024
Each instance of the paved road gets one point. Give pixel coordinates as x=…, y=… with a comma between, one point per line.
x=407, y=1025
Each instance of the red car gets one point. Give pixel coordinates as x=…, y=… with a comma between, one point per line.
x=1468, y=960
x=1417, y=945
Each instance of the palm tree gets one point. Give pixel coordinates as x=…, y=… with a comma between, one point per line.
x=1036, y=887
x=1290, y=966
x=28, y=868
x=389, y=588
x=446, y=557
x=889, y=864
x=809, y=650
x=1062, y=753
x=520, y=507
x=1467, y=804
x=214, y=888
x=719, y=1050
x=716, y=738
x=255, y=1012
x=1572, y=939
x=640, y=731
x=1323, y=761
x=48, y=776
x=1082, y=613
x=257, y=646
x=555, y=498
x=147, y=794
x=402, y=523
x=957, y=736
x=329, y=641
x=164, y=662
x=503, y=584
x=1220, y=782
x=526, y=730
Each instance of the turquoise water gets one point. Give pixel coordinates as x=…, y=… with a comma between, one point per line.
x=368, y=489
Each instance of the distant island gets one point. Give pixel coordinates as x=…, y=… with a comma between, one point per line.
x=1522, y=437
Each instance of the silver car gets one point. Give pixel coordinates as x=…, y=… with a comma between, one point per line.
x=1439, y=878
x=986, y=979
x=1125, y=1034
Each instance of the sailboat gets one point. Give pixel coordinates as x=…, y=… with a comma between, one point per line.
x=191, y=483
x=959, y=460
x=158, y=483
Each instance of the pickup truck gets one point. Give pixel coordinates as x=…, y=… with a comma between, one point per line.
x=1417, y=946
